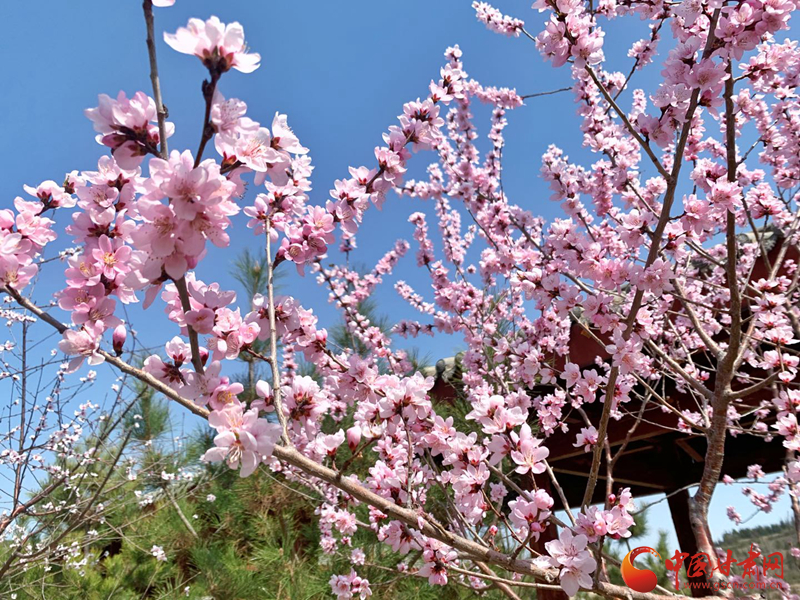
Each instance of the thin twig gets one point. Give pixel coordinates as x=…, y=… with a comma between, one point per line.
x=550, y=93
x=161, y=112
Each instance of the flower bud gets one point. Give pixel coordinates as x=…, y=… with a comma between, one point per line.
x=353, y=437
x=118, y=338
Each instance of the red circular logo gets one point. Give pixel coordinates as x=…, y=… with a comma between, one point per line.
x=640, y=580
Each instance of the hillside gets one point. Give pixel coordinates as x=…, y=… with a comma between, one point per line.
x=779, y=537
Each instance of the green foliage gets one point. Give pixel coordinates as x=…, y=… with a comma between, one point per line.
x=778, y=537
x=148, y=419
x=257, y=539
x=250, y=270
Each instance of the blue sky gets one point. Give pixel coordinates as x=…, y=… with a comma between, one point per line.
x=341, y=75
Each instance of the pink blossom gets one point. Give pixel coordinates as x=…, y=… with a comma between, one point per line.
x=158, y=553
x=576, y=564
x=586, y=438
x=707, y=74
x=527, y=297
x=166, y=372
x=436, y=556
x=256, y=152
x=242, y=438
x=529, y=517
x=85, y=344
x=283, y=138
x=530, y=455
x=346, y=587
x=755, y=472
x=15, y=274
x=498, y=492
x=51, y=195
x=353, y=437
x=119, y=336
x=357, y=556
x=225, y=395
x=127, y=127
x=329, y=443
x=733, y=515
x=112, y=259
x=221, y=47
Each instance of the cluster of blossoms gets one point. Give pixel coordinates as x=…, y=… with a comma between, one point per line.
x=350, y=586
x=497, y=21
x=309, y=229
x=645, y=277
x=127, y=126
x=158, y=553
x=615, y=523
x=24, y=232
x=575, y=563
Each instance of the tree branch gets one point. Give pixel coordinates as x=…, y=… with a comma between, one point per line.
x=161, y=112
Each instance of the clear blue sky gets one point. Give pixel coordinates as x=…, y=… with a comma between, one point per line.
x=342, y=76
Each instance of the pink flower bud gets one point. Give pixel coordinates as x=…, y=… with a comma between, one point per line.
x=612, y=498
x=118, y=338
x=600, y=528
x=353, y=437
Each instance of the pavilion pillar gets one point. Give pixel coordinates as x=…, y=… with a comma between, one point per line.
x=679, y=508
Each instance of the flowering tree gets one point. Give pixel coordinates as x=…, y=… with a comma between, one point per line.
x=649, y=261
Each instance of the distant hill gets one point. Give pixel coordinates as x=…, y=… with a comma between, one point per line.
x=779, y=537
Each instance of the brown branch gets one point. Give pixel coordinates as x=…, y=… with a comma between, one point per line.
x=120, y=364
x=664, y=218
x=502, y=584
x=273, y=348
x=161, y=112
x=506, y=582
x=628, y=125
x=712, y=467
x=183, y=294
x=707, y=340
x=20, y=470
x=80, y=516
x=743, y=393
x=559, y=491
x=209, y=87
